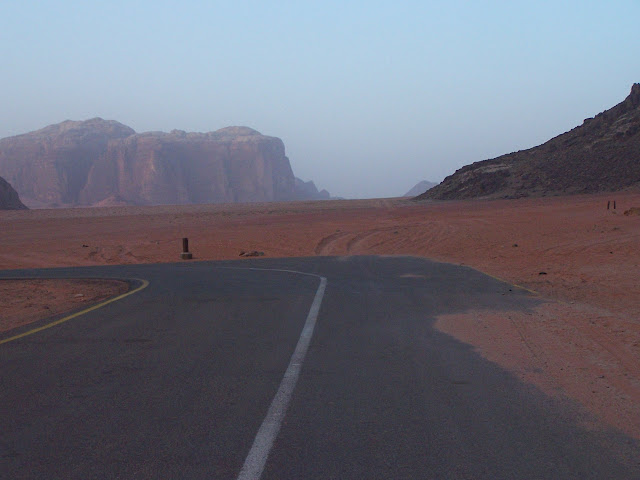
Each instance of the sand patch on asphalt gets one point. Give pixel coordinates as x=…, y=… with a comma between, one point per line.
x=26, y=301
x=586, y=353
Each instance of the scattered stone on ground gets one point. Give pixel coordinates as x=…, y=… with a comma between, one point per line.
x=253, y=253
x=632, y=211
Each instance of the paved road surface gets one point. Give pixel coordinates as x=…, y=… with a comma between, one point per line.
x=176, y=380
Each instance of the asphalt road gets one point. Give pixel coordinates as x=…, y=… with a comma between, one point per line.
x=176, y=380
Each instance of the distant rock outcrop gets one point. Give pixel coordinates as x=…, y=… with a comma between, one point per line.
x=419, y=188
x=310, y=191
x=603, y=154
x=9, y=199
x=99, y=162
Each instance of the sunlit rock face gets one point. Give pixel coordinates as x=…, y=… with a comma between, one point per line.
x=99, y=162
x=49, y=167
x=602, y=154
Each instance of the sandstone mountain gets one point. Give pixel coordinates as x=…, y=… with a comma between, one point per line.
x=9, y=199
x=99, y=162
x=419, y=188
x=603, y=154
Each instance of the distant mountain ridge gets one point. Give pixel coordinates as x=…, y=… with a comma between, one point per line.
x=309, y=190
x=9, y=199
x=420, y=188
x=103, y=162
x=603, y=154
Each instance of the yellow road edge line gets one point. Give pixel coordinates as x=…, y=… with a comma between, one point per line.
x=145, y=284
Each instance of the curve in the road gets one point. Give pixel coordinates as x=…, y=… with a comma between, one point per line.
x=176, y=382
x=142, y=286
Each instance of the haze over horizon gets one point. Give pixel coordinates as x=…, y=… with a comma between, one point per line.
x=369, y=98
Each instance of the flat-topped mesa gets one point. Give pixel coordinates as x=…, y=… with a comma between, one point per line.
x=182, y=168
x=602, y=154
x=98, y=162
x=49, y=167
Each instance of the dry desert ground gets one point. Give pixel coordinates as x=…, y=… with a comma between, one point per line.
x=582, y=342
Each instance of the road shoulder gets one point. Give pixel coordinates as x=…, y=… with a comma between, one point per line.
x=25, y=301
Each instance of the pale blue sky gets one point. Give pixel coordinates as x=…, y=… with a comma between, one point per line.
x=368, y=97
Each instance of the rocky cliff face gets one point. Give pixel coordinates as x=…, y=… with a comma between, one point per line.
x=234, y=164
x=9, y=199
x=603, y=154
x=50, y=167
x=98, y=162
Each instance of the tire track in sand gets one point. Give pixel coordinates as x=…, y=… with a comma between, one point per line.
x=327, y=245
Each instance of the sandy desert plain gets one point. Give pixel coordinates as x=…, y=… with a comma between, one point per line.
x=582, y=342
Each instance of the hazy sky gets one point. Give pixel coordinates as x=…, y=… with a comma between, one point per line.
x=369, y=97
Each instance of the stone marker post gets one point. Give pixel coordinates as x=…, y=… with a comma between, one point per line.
x=185, y=255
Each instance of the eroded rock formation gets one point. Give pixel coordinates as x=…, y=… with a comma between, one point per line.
x=99, y=162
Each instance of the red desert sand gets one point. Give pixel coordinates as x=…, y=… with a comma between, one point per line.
x=582, y=259
x=25, y=301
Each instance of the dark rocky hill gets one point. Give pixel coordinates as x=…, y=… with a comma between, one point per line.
x=603, y=154
x=9, y=199
x=99, y=162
